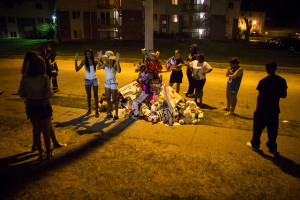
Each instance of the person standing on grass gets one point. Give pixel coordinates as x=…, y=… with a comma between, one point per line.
x=177, y=75
x=190, y=58
x=90, y=78
x=111, y=67
x=199, y=69
x=35, y=88
x=235, y=75
x=271, y=89
x=56, y=144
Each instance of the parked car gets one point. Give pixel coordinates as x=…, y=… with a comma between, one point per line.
x=290, y=43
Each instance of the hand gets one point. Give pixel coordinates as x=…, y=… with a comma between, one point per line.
x=76, y=56
x=117, y=56
x=99, y=54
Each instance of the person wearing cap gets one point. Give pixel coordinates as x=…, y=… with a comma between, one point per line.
x=90, y=78
x=234, y=74
x=199, y=69
x=271, y=89
x=111, y=66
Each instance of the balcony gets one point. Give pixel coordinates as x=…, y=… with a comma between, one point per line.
x=195, y=8
x=194, y=24
x=105, y=5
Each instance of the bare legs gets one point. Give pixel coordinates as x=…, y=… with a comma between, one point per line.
x=89, y=98
x=231, y=101
x=177, y=86
x=199, y=94
x=114, y=94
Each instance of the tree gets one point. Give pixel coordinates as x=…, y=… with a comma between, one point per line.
x=46, y=31
x=248, y=28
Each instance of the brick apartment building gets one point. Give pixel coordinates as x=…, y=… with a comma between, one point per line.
x=20, y=19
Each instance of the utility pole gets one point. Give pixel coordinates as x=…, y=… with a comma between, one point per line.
x=148, y=26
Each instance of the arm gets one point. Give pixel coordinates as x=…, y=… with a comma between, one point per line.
x=77, y=68
x=21, y=91
x=117, y=66
x=283, y=94
x=238, y=73
x=228, y=71
x=47, y=89
x=101, y=65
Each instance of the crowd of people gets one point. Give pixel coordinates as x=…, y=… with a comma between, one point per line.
x=40, y=69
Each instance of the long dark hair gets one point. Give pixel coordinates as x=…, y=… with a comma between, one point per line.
x=36, y=64
x=86, y=61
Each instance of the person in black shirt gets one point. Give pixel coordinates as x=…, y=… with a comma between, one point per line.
x=190, y=58
x=271, y=89
x=176, y=76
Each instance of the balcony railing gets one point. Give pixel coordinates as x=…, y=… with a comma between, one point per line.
x=194, y=24
x=195, y=8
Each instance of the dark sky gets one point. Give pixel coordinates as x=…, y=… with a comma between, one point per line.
x=279, y=12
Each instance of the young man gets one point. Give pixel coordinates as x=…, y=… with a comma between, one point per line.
x=271, y=89
x=234, y=74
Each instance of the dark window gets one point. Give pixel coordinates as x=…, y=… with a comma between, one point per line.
x=40, y=20
x=11, y=20
x=155, y=17
x=230, y=5
x=38, y=6
x=75, y=14
x=47, y=20
x=75, y=34
x=13, y=34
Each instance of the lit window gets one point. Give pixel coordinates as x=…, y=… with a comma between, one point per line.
x=164, y=21
x=202, y=15
x=254, y=22
x=175, y=18
x=174, y=2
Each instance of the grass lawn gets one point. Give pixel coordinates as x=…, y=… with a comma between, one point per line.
x=215, y=51
x=112, y=166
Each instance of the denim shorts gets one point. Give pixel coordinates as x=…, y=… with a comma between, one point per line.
x=111, y=84
x=91, y=82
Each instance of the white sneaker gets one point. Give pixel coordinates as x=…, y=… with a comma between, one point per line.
x=225, y=109
x=229, y=113
x=251, y=147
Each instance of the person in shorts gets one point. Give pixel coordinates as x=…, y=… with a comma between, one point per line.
x=177, y=75
x=199, y=69
x=90, y=78
x=235, y=75
x=111, y=66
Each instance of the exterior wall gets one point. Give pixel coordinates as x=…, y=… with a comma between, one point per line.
x=22, y=19
x=232, y=16
x=258, y=17
x=132, y=20
x=96, y=19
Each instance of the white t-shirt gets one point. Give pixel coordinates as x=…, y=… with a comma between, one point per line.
x=90, y=74
x=110, y=73
x=199, y=69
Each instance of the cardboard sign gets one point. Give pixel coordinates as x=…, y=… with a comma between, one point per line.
x=132, y=90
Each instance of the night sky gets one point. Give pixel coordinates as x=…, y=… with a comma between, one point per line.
x=279, y=12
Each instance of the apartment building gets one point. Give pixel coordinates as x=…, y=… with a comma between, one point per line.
x=257, y=18
x=217, y=19
x=20, y=19
x=89, y=20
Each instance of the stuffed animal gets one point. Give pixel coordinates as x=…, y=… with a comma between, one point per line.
x=153, y=118
x=154, y=108
x=189, y=117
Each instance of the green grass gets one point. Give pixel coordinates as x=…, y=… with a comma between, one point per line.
x=215, y=51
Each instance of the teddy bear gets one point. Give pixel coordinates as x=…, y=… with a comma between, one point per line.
x=189, y=117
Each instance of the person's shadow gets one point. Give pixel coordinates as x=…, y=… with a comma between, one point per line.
x=206, y=106
x=286, y=165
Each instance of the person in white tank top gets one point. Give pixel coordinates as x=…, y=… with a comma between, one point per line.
x=111, y=67
x=90, y=78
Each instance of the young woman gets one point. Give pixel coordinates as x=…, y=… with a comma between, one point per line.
x=111, y=67
x=191, y=57
x=35, y=88
x=56, y=144
x=49, y=55
x=176, y=75
x=199, y=69
x=90, y=78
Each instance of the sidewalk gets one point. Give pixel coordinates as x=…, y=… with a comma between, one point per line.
x=211, y=138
